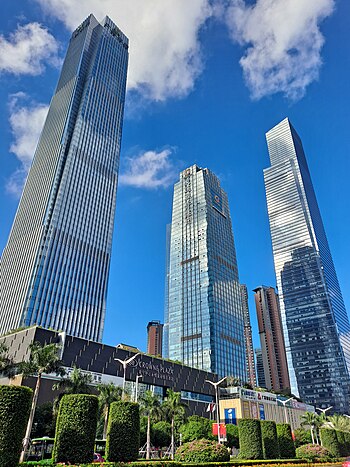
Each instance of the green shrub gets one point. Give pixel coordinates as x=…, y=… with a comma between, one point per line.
x=285, y=441
x=76, y=429
x=329, y=441
x=302, y=437
x=202, y=450
x=162, y=434
x=312, y=452
x=269, y=439
x=15, y=402
x=342, y=443
x=123, y=432
x=347, y=442
x=196, y=428
x=250, y=439
x=232, y=436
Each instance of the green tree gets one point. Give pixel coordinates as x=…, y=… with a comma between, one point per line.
x=76, y=382
x=42, y=359
x=232, y=436
x=310, y=419
x=151, y=408
x=302, y=437
x=44, y=421
x=196, y=428
x=108, y=393
x=338, y=422
x=162, y=434
x=7, y=366
x=173, y=407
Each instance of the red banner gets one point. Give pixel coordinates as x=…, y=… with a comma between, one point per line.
x=222, y=429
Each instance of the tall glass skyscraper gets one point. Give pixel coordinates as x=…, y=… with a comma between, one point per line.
x=55, y=266
x=204, y=317
x=315, y=322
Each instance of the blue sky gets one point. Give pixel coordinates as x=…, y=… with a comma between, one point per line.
x=206, y=81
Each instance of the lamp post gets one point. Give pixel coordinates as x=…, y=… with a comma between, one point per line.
x=285, y=408
x=216, y=385
x=137, y=386
x=324, y=410
x=125, y=363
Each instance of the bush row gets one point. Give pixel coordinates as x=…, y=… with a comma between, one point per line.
x=265, y=440
x=337, y=442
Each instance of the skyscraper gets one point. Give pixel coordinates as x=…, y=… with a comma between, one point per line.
x=154, y=338
x=250, y=363
x=271, y=339
x=205, y=318
x=260, y=368
x=55, y=266
x=315, y=322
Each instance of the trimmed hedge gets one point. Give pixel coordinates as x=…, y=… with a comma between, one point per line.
x=250, y=439
x=343, y=447
x=76, y=429
x=347, y=442
x=330, y=441
x=123, y=432
x=202, y=450
x=285, y=441
x=269, y=439
x=15, y=403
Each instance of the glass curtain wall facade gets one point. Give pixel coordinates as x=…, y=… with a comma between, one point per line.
x=55, y=266
x=250, y=363
x=205, y=320
x=315, y=322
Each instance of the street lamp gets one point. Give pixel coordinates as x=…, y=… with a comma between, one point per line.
x=285, y=408
x=137, y=386
x=216, y=385
x=324, y=410
x=125, y=363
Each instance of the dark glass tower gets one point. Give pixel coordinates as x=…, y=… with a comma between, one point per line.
x=315, y=322
x=204, y=317
x=55, y=266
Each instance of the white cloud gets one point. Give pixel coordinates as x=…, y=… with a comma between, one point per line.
x=149, y=169
x=283, y=42
x=26, y=123
x=27, y=50
x=165, y=55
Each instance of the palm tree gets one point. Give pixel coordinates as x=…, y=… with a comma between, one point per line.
x=7, y=366
x=151, y=407
x=338, y=422
x=173, y=406
x=76, y=383
x=310, y=419
x=108, y=393
x=43, y=359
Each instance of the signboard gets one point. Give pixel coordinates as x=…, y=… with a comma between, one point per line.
x=262, y=411
x=222, y=429
x=230, y=417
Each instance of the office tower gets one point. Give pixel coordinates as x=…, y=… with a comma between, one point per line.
x=250, y=364
x=316, y=325
x=166, y=294
x=260, y=368
x=205, y=318
x=271, y=339
x=55, y=266
x=154, y=338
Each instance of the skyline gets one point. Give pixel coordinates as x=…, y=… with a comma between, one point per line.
x=242, y=125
